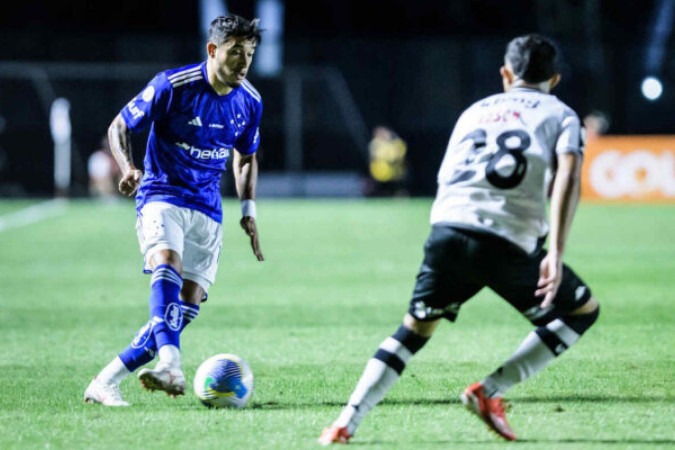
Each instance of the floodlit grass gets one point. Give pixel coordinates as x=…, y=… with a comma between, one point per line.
x=335, y=282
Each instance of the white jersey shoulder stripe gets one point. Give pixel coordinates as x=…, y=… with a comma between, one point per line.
x=184, y=73
x=187, y=80
x=248, y=87
x=185, y=77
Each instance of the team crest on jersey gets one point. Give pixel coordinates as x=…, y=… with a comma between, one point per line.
x=239, y=122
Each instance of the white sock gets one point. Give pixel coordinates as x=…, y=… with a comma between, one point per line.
x=530, y=358
x=114, y=372
x=375, y=382
x=170, y=355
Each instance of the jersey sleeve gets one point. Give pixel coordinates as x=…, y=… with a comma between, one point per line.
x=571, y=138
x=249, y=141
x=460, y=129
x=149, y=105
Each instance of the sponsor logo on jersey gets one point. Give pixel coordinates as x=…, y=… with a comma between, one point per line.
x=208, y=153
x=135, y=111
x=216, y=125
x=196, y=122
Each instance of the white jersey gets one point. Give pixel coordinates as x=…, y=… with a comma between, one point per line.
x=499, y=163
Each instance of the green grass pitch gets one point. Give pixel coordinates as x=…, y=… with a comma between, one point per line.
x=335, y=283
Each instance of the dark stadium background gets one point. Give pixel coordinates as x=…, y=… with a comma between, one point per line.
x=411, y=65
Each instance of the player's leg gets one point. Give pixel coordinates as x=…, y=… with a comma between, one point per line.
x=143, y=348
x=438, y=294
x=541, y=347
x=203, y=245
x=161, y=229
x=534, y=354
x=166, y=316
x=558, y=328
x=160, y=238
x=379, y=376
x=202, y=240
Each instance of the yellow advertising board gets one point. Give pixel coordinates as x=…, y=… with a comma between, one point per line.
x=629, y=169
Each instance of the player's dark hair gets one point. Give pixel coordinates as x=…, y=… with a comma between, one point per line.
x=532, y=58
x=225, y=27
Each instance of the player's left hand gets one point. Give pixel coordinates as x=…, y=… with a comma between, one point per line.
x=248, y=224
x=550, y=275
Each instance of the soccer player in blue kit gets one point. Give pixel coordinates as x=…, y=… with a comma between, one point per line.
x=488, y=227
x=199, y=116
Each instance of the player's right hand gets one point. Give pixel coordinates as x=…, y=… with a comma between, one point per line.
x=130, y=182
x=550, y=276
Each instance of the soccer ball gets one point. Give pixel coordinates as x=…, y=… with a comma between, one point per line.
x=223, y=381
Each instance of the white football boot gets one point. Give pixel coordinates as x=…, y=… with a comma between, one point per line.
x=163, y=377
x=106, y=394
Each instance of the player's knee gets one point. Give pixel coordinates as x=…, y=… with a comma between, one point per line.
x=421, y=328
x=588, y=307
x=166, y=256
x=192, y=292
x=580, y=322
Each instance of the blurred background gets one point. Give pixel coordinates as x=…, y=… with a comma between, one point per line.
x=360, y=96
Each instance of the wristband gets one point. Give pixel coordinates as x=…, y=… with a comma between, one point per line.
x=248, y=208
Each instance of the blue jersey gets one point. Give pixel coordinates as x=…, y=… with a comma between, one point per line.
x=193, y=132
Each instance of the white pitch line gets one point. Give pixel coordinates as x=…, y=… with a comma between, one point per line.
x=33, y=214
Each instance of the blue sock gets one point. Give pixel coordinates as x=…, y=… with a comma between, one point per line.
x=165, y=311
x=143, y=348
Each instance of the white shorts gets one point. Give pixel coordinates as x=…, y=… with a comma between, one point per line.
x=196, y=238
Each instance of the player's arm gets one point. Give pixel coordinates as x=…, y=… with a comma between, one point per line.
x=564, y=201
x=245, y=168
x=120, y=146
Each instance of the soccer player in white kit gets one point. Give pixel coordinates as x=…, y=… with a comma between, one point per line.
x=199, y=116
x=488, y=227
